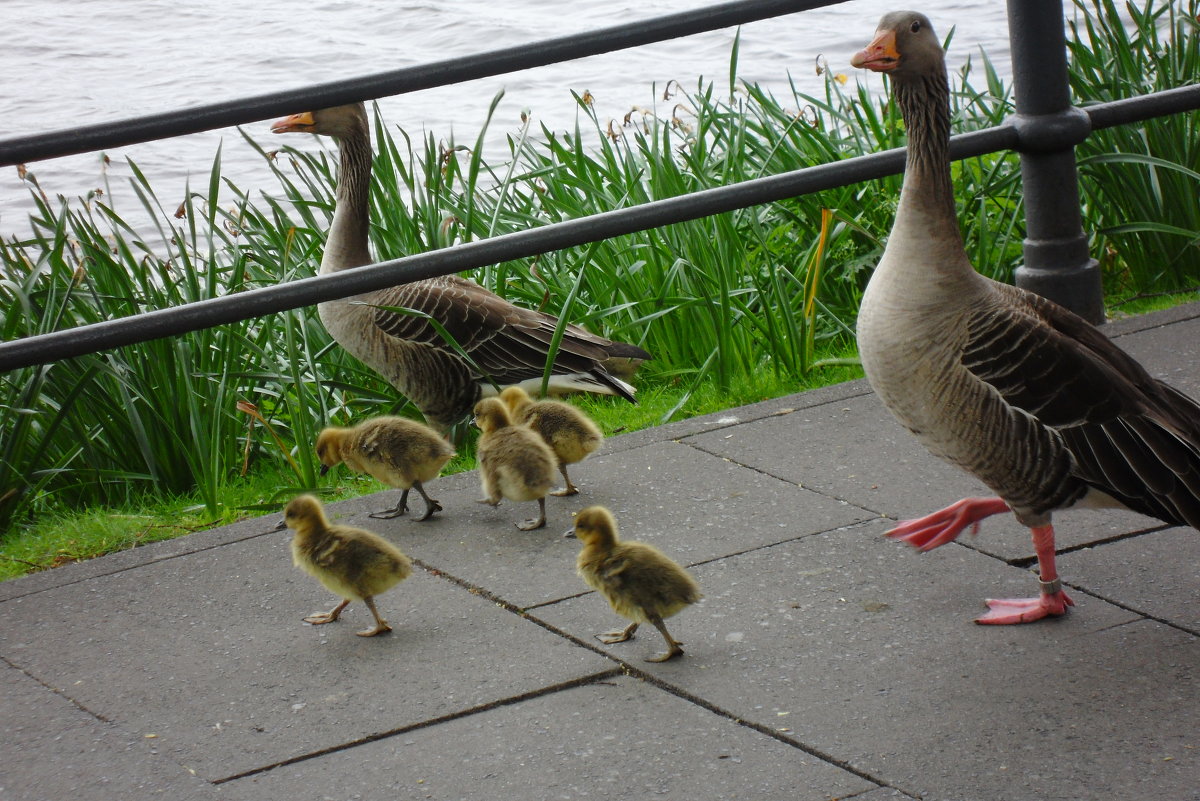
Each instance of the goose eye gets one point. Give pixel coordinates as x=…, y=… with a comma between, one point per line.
x=915, y=27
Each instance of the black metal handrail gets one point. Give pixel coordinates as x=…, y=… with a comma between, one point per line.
x=83, y=139
x=1020, y=133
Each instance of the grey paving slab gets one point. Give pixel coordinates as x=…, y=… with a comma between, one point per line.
x=123, y=560
x=880, y=794
x=865, y=651
x=208, y=653
x=615, y=739
x=1156, y=574
x=697, y=505
x=52, y=749
x=853, y=450
x=1169, y=352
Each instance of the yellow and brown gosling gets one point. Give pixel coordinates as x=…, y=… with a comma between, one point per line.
x=399, y=452
x=638, y=580
x=352, y=563
x=514, y=462
x=569, y=432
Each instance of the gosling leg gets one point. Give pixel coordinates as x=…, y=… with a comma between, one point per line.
x=380, y=624
x=431, y=505
x=619, y=635
x=539, y=521
x=673, y=649
x=388, y=514
x=327, y=617
x=570, y=489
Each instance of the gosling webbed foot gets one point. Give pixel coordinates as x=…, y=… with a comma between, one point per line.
x=617, y=635
x=379, y=628
x=536, y=522
x=673, y=645
x=431, y=505
x=321, y=618
x=570, y=488
x=397, y=511
x=673, y=652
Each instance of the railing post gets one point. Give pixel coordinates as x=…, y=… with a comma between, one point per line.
x=1057, y=264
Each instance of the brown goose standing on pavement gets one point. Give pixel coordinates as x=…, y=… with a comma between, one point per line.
x=507, y=342
x=1023, y=394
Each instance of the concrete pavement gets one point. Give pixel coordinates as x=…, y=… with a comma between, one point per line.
x=824, y=662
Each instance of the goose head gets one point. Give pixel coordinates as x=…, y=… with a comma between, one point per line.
x=490, y=415
x=340, y=122
x=329, y=447
x=904, y=46
x=304, y=514
x=594, y=525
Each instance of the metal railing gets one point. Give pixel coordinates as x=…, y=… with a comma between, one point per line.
x=1045, y=130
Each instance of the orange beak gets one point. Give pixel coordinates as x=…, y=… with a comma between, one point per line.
x=880, y=55
x=297, y=123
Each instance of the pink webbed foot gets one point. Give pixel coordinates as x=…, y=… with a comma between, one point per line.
x=1008, y=611
x=944, y=525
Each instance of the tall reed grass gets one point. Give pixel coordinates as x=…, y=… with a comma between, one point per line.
x=1140, y=182
x=767, y=292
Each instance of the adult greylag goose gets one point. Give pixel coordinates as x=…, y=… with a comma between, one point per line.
x=1025, y=395
x=508, y=343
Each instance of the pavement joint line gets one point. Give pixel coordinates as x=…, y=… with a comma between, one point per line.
x=523, y=613
x=57, y=691
x=580, y=681
x=1195, y=632
x=1030, y=561
x=761, y=728
x=768, y=474
x=630, y=669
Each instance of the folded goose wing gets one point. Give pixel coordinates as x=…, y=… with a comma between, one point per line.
x=1129, y=434
x=508, y=343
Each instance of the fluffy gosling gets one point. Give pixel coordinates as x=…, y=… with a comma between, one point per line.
x=514, y=462
x=638, y=580
x=351, y=562
x=399, y=452
x=570, y=433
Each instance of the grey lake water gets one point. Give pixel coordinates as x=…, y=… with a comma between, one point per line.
x=67, y=64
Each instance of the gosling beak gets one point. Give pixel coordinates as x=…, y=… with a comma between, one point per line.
x=569, y=532
x=324, y=469
x=880, y=55
x=281, y=525
x=297, y=123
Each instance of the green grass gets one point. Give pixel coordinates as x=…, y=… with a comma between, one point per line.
x=735, y=307
x=62, y=537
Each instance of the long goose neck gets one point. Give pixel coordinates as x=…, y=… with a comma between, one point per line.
x=927, y=197
x=347, y=246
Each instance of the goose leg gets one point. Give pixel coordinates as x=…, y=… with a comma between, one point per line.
x=401, y=508
x=381, y=625
x=536, y=522
x=570, y=489
x=673, y=649
x=327, y=617
x=620, y=635
x=431, y=505
x=945, y=525
x=1052, y=601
